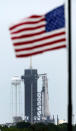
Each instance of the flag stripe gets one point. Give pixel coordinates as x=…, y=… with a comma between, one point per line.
x=29, y=36
x=34, y=31
x=40, y=39
x=25, y=30
x=40, y=45
x=40, y=42
x=39, y=52
x=28, y=25
x=47, y=33
x=40, y=49
x=36, y=16
x=31, y=21
x=36, y=36
x=31, y=32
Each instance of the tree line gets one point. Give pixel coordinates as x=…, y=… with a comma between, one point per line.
x=23, y=126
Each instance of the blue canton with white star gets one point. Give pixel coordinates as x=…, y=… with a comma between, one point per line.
x=55, y=19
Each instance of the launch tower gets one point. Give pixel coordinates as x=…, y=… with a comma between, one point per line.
x=36, y=104
x=30, y=89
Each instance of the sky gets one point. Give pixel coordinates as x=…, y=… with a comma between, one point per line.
x=54, y=63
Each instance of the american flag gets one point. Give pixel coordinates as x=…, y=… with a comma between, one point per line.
x=39, y=33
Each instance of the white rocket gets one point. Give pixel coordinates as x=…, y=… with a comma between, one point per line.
x=45, y=98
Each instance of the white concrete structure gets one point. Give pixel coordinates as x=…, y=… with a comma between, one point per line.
x=16, y=96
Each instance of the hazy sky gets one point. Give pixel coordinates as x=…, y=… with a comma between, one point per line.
x=54, y=63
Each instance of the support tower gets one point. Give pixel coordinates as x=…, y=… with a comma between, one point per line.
x=30, y=87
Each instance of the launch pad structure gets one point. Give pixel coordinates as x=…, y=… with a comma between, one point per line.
x=36, y=103
x=30, y=89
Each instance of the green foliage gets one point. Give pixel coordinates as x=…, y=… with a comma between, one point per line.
x=37, y=127
x=43, y=127
x=62, y=127
x=23, y=126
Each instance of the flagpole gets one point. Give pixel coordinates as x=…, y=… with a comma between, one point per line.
x=31, y=62
x=69, y=69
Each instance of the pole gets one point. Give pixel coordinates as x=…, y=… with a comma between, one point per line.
x=12, y=101
x=16, y=98
x=31, y=92
x=69, y=70
x=19, y=97
x=31, y=62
